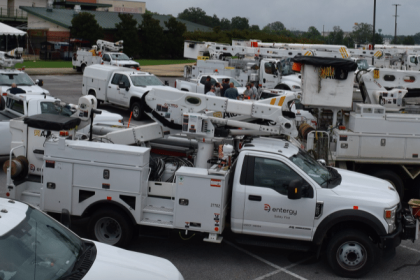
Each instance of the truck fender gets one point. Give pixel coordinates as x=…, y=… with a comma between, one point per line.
x=345, y=216
x=108, y=204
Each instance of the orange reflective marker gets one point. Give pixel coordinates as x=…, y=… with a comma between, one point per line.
x=356, y=207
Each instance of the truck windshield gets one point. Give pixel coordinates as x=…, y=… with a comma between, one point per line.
x=119, y=56
x=286, y=67
x=235, y=82
x=51, y=108
x=20, y=79
x=362, y=64
x=143, y=81
x=314, y=169
x=38, y=248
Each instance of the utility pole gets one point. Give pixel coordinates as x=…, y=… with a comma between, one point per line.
x=395, y=34
x=373, y=37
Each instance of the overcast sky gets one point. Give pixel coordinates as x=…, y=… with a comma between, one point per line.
x=300, y=14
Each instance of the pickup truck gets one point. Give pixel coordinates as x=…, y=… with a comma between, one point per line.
x=119, y=86
x=27, y=105
x=35, y=246
x=22, y=80
x=197, y=85
x=84, y=58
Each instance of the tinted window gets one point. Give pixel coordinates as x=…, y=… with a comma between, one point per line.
x=106, y=58
x=17, y=106
x=270, y=68
x=266, y=95
x=203, y=80
x=389, y=78
x=116, y=79
x=51, y=108
x=413, y=59
x=145, y=81
x=124, y=79
x=273, y=174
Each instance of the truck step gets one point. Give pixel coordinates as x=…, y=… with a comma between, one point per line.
x=31, y=193
x=287, y=244
x=158, y=210
x=158, y=223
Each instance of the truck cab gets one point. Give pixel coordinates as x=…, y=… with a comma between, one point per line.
x=35, y=246
x=22, y=81
x=119, y=59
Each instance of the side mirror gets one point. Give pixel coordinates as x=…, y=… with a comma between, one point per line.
x=294, y=190
x=39, y=82
x=322, y=162
x=65, y=218
x=166, y=83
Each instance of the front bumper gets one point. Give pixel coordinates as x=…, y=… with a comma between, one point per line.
x=407, y=229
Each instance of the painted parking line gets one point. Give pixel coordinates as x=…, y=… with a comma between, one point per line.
x=409, y=248
x=278, y=268
x=283, y=269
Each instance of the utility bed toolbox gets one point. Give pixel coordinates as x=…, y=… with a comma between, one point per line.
x=201, y=200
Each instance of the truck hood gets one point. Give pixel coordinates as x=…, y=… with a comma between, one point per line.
x=35, y=89
x=363, y=187
x=115, y=263
x=107, y=117
x=125, y=62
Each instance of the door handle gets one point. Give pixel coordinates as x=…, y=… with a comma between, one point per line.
x=264, y=80
x=109, y=86
x=254, y=197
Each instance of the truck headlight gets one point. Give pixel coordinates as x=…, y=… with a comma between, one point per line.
x=389, y=215
x=296, y=87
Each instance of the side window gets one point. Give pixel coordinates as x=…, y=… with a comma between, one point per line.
x=389, y=78
x=213, y=81
x=125, y=79
x=106, y=58
x=203, y=80
x=116, y=79
x=266, y=95
x=17, y=106
x=268, y=67
x=48, y=108
x=273, y=174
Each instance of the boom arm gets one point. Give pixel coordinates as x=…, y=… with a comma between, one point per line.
x=10, y=58
x=104, y=46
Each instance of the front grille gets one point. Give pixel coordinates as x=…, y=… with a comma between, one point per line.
x=85, y=263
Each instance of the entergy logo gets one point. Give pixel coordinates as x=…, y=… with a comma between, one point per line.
x=267, y=207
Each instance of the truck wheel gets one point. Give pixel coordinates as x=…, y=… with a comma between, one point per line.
x=2, y=103
x=392, y=178
x=110, y=226
x=82, y=68
x=137, y=110
x=351, y=253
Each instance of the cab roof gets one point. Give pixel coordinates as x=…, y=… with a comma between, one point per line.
x=273, y=146
x=12, y=213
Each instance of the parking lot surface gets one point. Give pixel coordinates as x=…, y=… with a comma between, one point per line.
x=196, y=259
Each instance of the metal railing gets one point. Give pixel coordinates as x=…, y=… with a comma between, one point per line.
x=6, y=12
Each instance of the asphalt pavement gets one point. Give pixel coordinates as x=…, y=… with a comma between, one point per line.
x=196, y=259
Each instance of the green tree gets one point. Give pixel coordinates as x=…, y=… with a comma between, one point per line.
x=151, y=37
x=348, y=42
x=408, y=40
x=379, y=39
x=85, y=26
x=240, y=23
x=362, y=33
x=128, y=32
x=225, y=24
x=417, y=38
x=196, y=15
x=336, y=37
x=274, y=28
x=312, y=33
x=254, y=28
x=174, y=45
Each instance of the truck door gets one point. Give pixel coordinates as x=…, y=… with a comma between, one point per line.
x=412, y=62
x=269, y=76
x=106, y=59
x=268, y=211
x=113, y=92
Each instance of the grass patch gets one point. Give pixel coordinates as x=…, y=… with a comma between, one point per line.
x=67, y=64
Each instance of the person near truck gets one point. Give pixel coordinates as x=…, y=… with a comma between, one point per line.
x=232, y=92
x=15, y=90
x=254, y=90
x=207, y=85
x=249, y=93
x=225, y=86
x=218, y=88
x=211, y=91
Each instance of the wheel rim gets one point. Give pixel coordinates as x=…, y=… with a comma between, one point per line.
x=136, y=112
x=351, y=256
x=108, y=230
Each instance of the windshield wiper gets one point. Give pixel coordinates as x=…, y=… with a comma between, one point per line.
x=75, y=270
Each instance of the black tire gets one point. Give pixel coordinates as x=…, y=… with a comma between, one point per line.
x=2, y=103
x=78, y=69
x=415, y=188
x=351, y=253
x=82, y=68
x=392, y=178
x=137, y=110
x=111, y=226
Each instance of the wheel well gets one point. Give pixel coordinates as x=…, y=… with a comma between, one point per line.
x=353, y=225
x=184, y=89
x=92, y=92
x=134, y=99
x=97, y=206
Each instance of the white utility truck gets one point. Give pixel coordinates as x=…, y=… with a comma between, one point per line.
x=21, y=105
x=104, y=52
x=9, y=75
x=376, y=137
x=197, y=85
x=35, y=246
x=273, y=193
x=119, y=86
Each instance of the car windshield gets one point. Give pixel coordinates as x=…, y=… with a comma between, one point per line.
x=119, y=56
x=142, y=81
x=38, y=248
x=314, y=169
x=20, y=79
x=362, y=64
x=52, y=108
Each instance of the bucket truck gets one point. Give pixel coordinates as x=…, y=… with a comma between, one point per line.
x=104, y=52
x=275, y=194
x=9, y=75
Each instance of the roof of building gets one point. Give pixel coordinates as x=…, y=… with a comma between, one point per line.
x=69, y=3
x=106, y=20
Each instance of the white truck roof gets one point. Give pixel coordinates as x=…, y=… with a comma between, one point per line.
x=272, y=146
x=103, y=72
x=12, y=213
